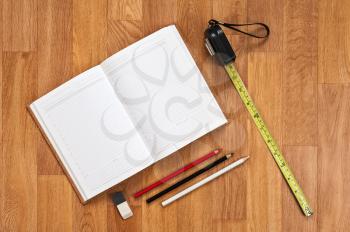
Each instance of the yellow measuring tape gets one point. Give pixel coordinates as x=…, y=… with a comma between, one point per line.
x=271, y=143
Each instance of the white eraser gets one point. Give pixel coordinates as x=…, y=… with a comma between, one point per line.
x=124, y=210
x=122, y=205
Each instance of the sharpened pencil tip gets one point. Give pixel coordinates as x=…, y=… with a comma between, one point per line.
x=245, y=158
x=229, y=155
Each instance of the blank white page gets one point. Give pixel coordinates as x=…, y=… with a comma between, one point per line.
x=91, y=132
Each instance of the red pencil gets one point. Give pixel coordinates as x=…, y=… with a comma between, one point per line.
x=181, y=170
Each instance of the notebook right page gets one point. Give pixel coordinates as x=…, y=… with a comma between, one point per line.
x=163, y=91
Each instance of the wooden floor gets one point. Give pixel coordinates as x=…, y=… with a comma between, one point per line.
x=299, y=79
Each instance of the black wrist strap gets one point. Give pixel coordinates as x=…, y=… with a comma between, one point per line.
x=234, y=26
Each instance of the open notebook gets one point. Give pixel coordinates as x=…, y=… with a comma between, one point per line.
x=135, y=108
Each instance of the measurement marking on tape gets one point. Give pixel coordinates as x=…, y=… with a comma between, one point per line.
x=270, y=142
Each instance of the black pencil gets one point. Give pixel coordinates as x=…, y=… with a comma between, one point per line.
x=188, y=178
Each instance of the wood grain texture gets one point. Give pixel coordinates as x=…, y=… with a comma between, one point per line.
x=2, y=157
x=55, y=204
x=125, y=10
x=333, y=158
x=334, y=41
x=300, y=73
x=19, y=20
x=89, y=34
x=90, y=217
x=299, y=79
x=19, y=142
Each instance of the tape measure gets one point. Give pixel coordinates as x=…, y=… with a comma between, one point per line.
x=218, y=45
x=270, y=142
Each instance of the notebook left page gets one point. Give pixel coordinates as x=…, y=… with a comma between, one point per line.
x=90, y=131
